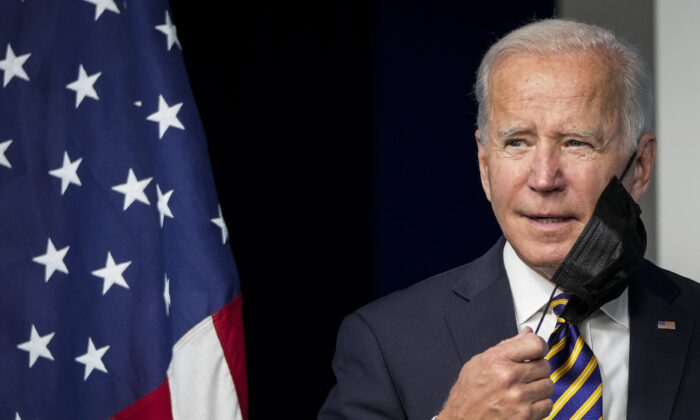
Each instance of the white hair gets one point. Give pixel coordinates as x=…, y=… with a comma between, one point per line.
x=557, y=36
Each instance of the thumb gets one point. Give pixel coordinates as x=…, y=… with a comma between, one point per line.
x=524, y=331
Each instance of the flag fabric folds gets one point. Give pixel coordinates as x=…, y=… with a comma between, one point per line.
x=119, y=295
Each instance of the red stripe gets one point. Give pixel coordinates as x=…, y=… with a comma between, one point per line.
x=228, y=323
x=154, y=406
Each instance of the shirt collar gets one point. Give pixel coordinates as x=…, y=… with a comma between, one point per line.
x=531, y=291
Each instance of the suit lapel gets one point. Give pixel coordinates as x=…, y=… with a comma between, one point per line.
x=483, y=313
x=657, y=356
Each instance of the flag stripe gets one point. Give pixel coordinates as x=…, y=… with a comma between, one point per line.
x=228, y=323
x=201, y=385
x=153, y=406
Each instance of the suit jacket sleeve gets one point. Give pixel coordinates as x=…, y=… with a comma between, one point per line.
x=364, y=388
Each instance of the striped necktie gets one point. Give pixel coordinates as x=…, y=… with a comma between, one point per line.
x=578, y=388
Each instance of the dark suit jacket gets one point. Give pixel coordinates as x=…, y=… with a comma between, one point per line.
x=398, y=357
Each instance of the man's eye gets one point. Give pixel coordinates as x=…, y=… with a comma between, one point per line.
x=514, y=143
x=576, y=143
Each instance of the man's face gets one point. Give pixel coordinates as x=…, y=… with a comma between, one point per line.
x=554, y=142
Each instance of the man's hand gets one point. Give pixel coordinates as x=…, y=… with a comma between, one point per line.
x=507, y=381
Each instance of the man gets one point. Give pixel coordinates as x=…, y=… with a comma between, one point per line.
x=563, y=108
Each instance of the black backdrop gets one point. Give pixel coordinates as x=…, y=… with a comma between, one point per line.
x=341, y=138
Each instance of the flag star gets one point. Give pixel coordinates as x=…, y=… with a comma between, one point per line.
x=133, y=189
x=52, y=260
x=166, y=294
x=68, y=172
x=102, y=5
x=166, y=116
x=112, y=274
x=170, y=32
x=219, y=221
x=163, y=209
x=37, y=346
x=92, y=359
x=84, y=86
x=12, y=66
x=3, y=148
x=17, y=417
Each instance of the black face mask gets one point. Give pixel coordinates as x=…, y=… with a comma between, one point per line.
x=605, y=256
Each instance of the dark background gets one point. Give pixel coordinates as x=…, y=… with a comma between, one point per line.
x=341, y=138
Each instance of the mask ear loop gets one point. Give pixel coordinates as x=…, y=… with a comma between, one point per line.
x=539, y=324
x=629, y=165
x=551, y=297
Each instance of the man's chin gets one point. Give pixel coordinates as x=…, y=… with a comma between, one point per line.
x=546, y=271
x=544, y=261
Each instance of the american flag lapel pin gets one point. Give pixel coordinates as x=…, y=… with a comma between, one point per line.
x=666, y=325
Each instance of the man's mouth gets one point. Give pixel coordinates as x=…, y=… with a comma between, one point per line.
x=548, y=219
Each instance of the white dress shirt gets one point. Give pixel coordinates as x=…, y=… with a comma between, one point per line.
x=606, y=331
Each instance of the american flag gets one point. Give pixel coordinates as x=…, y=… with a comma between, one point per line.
x=119, y=295
x=666, y=325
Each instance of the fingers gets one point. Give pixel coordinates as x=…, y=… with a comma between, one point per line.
x=535, y=370
x=541, y=408
x=524, y=346
x=507, y=381
x=538, y=390
x=520, y=334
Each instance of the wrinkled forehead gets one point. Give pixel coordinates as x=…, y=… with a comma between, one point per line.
x=567, y=69
x=590, y=77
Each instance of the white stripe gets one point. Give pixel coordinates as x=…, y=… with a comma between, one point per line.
x=201, y=386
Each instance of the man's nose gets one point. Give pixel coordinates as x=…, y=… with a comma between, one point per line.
x=545, y=171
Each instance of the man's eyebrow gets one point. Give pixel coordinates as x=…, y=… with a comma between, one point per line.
x=513, y=131
x=581, y=133
x=510, y=131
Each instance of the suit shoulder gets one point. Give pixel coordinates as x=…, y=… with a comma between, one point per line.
x=425, y=293
x=683, y=282
x=687, y=286
x=680, y=288
x=425, y=304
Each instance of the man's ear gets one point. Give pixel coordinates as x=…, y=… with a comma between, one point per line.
x=643, y=166
x=483, y=166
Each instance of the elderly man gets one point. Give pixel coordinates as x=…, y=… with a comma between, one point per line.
x=564, y=108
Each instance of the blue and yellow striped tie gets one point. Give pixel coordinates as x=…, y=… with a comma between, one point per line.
x=578, y=388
